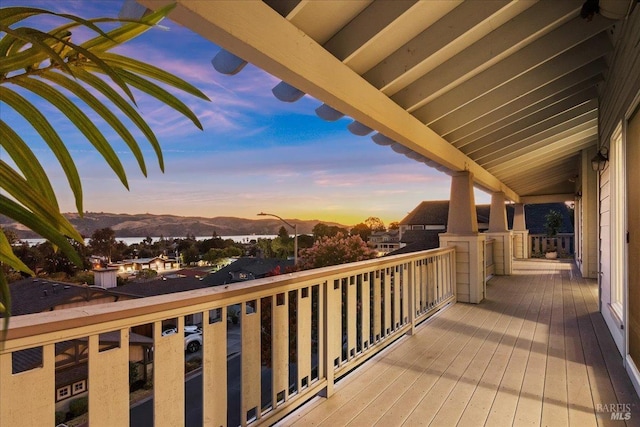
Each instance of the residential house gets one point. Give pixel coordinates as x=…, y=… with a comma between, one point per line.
x=159, y=263
x=385, y=241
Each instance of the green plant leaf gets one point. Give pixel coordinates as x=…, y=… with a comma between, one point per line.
x=79, y=119
x=14, y=184
x=160, y=94
x=11, y=15
x=101, y=109
x=128, y=31
x=40, y=226
x=124, y=106
x=5, y=310
x=49, y=135
x=27, y=162
x=34, y=55
x=155, y=73
x=9, y=258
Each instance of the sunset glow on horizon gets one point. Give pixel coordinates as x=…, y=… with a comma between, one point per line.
x=255, y=154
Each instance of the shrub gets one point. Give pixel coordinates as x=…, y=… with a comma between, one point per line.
x=79, y=406
x=61, y=417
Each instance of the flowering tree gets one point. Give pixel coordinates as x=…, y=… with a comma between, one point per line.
x=335, y=250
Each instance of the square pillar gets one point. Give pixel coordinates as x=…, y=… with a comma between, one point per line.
x=502, y=252
x=470, y=270
x=462, y=233
x=503, y=239
x=520, y=233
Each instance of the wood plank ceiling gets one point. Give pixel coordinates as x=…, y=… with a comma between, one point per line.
x=512, y=85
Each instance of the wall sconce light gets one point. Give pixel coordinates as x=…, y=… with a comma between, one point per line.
x=599, y=161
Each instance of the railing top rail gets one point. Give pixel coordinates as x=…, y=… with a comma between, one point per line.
x=153, y=308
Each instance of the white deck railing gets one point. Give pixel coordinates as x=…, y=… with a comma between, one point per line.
x=489, y=263
x=541, y=243
x=299, y=333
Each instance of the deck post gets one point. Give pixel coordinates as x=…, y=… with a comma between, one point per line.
x=503, y=238
x=462, y=233
x=520, y=233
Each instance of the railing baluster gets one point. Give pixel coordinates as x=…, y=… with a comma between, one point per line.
x=16, y=408
x=280, y=346
x=251, y=364
x=404, y=280
x=387, y=302
x=214, y=367
x=303, y=318
x=109, y=379
x=168, y=370
x=351, y=317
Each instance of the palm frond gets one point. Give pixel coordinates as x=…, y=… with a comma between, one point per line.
x=51, y=65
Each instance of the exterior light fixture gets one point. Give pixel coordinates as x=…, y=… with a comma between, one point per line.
x=599, y=161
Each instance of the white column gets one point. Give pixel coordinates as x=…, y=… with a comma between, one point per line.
x=502, y=237
x=589, y=234
x=520, y=233
x=462, y=232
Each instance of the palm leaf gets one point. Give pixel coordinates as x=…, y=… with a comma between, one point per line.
x=79, y=119
x=5, y=307
x=124, y=106
x=41, y=226
x=23, y=193
x=11, y=15
x=9, y=258
x=50, y=136
x=155, y=73
x=128, y=31
x=27, y=162
x=102, y=110
x=159, y=93
x=34, y=55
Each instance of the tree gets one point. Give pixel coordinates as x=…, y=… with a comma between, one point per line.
x=42, y=63
x=335, y=250
x=103, y=242
x=375, y=224
x=395, y=225
x=323, y=230
x=361, y=230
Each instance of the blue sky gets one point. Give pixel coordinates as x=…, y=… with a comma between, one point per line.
x=255, y=154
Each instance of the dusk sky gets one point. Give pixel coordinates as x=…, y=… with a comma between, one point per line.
x=255, y=154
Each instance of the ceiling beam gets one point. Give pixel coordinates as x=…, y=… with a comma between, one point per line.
x=528, y=111
x=548, y=198
x=590, y=74
x=426, y=50
x=522, y=29
x=555, y=119
x=486, y=91
x=258, y=34
x=540, y=141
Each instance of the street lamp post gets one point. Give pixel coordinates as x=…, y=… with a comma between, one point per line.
x=295, y=235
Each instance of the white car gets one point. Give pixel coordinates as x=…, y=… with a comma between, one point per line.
x=192, y=337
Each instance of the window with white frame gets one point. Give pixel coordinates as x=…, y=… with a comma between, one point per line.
x=63, y=392
x=617, y=177
x=79, y=387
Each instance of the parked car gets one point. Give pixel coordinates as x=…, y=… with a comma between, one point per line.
x=192, y=337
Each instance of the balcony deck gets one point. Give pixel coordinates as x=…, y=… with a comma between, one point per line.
x=535, y=352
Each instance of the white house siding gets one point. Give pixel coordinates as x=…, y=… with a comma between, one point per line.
x=613, y=322
x=618, y=95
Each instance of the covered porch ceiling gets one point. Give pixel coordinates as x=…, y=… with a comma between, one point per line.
x=505, y=89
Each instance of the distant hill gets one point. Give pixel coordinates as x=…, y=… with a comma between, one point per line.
x=141, y=225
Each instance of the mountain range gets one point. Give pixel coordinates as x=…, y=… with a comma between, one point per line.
x=141, y=225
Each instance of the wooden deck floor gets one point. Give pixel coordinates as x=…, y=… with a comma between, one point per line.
x=535, y=352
